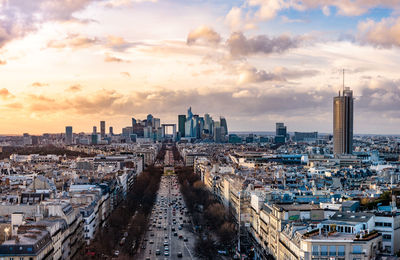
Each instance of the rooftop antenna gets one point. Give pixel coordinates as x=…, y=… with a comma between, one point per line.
x=343, y=81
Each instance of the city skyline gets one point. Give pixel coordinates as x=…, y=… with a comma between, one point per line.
x=256, y=62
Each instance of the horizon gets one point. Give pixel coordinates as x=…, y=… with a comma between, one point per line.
x=255, y=62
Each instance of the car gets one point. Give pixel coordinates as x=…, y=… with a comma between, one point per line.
x=158, y=252
x=166, y=253
x=180, y=236
x=116, y=252
x=175, y=234
x=148, y=258
x=152, y=234
x=179, y=254
x=185, y=239
x=151, y=242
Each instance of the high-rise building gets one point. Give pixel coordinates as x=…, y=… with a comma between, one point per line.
x=156, y=123
x=190, y=124
x=149, y=120
x=68, y=134
x=111, y=131
x=134, y=122
x=103, y=129
x=281, y=129
x=223, y=125
x=343, y=122
x=94, y=130
x=218, y=134
x=181, y=124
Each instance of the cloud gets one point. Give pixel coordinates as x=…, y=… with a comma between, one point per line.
x=3, y=62
x=326, y=10
x=73, y=41
x=385, y=33
x=4, y=93
x=74, y=88
x=118, y=43
x=18, y=18
x=126, y=74
x=381, y=95
x=286, y=19
x=15, y=105
x=239, y=45
x=286, y=73
x=110, y=58
x=262, y=10
x=249, y=74
x=203, y=34
x=39, y=84
x=125, y=3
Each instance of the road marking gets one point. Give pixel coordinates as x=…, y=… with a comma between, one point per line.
x=184, y=243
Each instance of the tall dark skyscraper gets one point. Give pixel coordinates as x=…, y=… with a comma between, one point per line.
x=224, y=125
x=281, y=129
x=103, y=129
x=68, y=134
x=181, y=124
x=343, y=122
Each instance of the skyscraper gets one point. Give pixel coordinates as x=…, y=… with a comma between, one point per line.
x=224, y=125
x=68, y=134
x=343, y=122
x=281, y=129
x=111, y=131
x=149, y=120
x=103, y=129
x=94, y=129
x=181, y=124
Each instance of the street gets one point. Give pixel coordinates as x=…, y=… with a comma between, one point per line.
x=169, y=234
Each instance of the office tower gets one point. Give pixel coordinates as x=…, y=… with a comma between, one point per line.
x=181, y=124
x=111, y=131
x=223, y=125
x=156, y=123
x=149, y=120
x=127, y=131
x=147, y=132
x=94, y=138
x=281, y=129
x=94, y=129
x=134, y=122
x=68, y=134
x=343, y=122
x=103, y=129
x=218, y=134
x=189, y=125
x=305, y=136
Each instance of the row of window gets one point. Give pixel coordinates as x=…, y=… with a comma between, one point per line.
x=334, y=250
x=328, y=250
x=383, y=224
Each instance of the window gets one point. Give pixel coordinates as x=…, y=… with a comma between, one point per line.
x=315, y=250
x=386, y=237
x=324, y=250
x=341, y=250
x=379, y=224
x=387, y=224
x=332, y=250
x=357, y=249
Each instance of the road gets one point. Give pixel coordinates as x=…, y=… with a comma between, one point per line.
x=169, y=233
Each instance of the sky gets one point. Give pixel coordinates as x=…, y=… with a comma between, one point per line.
x=256, y=62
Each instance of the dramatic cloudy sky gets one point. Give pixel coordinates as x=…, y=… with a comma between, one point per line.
x=75, y=62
